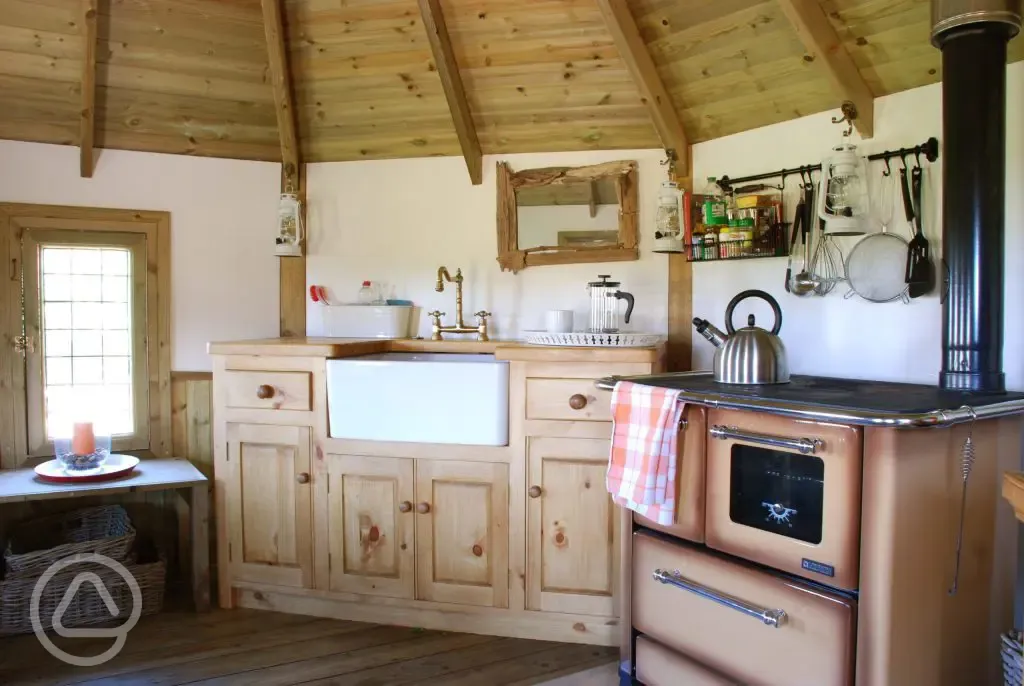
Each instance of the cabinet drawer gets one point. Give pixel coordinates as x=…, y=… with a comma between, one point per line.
x=813, y=644
x=572, y=399
x=268, y=390
x=656, y=665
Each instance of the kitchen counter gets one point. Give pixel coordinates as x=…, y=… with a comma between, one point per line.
x=502, y=350
x=848, y=401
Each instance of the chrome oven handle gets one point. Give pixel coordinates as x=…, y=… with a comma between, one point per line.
x=772, y=618
x=807, y=446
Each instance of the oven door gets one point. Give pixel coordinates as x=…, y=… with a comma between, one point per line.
x=785, y=493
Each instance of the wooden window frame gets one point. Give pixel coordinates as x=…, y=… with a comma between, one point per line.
x=155, y=226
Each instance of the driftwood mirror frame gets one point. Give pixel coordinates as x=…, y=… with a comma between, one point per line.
x=511, y=258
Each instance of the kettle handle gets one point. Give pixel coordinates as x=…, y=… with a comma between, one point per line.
x=628, y=297
x=753, y=293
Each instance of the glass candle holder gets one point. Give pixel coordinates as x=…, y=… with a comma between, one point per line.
x=84, y=452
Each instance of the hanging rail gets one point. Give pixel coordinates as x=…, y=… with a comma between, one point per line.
x=930, y=150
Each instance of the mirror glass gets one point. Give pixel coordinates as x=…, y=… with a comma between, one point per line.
x=573, y=214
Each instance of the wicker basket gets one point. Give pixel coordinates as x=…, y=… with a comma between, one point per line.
x=36, y=544
x=1012, y=654
x=87, y=607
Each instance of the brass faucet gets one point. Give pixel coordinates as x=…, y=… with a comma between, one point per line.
x=460, y=327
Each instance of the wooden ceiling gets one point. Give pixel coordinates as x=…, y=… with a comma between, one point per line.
x=192, y=76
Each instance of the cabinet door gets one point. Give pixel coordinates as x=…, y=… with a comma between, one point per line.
x=572, y=546
x=269, y=510
x=371, y=525
x=462, y=532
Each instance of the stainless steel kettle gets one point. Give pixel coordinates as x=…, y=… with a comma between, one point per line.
x=750, y=355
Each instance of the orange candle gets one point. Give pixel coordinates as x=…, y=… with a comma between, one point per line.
x=83, y=441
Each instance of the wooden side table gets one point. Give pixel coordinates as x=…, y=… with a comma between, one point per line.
x=158, y=474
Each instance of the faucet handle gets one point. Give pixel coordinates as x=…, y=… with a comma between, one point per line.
x=436, y=315
x=483, y=314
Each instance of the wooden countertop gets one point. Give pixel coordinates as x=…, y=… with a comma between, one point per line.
x=503, y=350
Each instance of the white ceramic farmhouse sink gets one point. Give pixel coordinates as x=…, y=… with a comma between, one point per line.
x=420, y=398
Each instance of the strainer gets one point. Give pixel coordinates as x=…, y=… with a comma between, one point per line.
x=875, y=267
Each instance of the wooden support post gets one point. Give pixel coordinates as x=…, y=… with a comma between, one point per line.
x=293, y=269
x=633, y=51
x=593, y=199
x=823, y=43
x=451, y=82
x=87, y=123
x=680, y=293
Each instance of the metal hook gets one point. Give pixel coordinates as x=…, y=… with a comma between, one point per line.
x=888, y=169
x=917, y=155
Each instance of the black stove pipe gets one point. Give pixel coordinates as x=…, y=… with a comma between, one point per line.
x=972, y=35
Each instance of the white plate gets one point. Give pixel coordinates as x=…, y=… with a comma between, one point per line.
x=115, y=466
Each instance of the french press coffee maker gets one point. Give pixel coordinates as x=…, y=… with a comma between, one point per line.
x=604, y=305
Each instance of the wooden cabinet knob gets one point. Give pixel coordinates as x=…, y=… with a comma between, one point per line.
x=405, y=506
x=302, y=478
x=478, y=551
x=534, y=491
x=265, y=392
x=577, y=401
x=423, y=508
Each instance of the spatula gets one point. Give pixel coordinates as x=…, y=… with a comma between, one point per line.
x=920, y=274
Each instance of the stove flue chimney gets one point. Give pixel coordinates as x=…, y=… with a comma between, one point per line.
x=972, y=35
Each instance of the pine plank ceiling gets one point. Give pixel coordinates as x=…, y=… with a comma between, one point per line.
x=191, y=76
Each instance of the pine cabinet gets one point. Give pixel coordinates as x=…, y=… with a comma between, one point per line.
x=572, y=527
x=419, y=528
x=269, y=505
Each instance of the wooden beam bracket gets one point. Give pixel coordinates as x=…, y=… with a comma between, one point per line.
x=87, y=123
x=451, y=82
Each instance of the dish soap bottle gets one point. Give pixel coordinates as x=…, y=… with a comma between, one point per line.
x=366, y=294
x=714, y=204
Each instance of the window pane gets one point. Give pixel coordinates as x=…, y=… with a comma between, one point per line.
x=86, y=261
x=86, y=288
x=56, y=316
x=58, y=370
x=115, y=262
x=115, y=289
x=88, y=343
x=57, y=343
x=56, y=287
x=56, y=261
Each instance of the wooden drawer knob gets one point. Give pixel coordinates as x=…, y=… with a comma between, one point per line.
x=577, y=401
x=302, y=478
x=405, y=506
x=423, y=508
x=534, y=491
x=265, y=392
x=478, y=551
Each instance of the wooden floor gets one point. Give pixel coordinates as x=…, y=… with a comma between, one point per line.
x=253, y=648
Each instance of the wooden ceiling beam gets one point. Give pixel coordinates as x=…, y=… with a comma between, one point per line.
x=87, y=122
x=292, y=274
x=823, y=44
x=633, y=51
x=451, y=82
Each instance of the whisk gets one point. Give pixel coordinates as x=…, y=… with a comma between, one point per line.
x=827, y=263
x=966, y=463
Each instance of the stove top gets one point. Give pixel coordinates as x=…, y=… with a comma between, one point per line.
x=853, y=400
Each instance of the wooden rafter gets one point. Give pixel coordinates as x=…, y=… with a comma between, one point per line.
x=87, y=123
x=823, y=43
x=451, y=82
x=633, y=51
x=292, y=278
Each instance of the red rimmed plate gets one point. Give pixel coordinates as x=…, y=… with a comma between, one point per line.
x=115, y=467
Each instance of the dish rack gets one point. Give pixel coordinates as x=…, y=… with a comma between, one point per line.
x=583, y=339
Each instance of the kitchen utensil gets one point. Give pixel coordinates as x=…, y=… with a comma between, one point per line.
x=558, y=321
x=920, y=273
x=750, y=355
x=795, y=230
x=843, y=201
x=875, y=267
x=803, y=283
x=827, y=263
x=604, y=305
x=966, y=464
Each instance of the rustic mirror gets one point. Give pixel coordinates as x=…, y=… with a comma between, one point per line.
x=567, y=215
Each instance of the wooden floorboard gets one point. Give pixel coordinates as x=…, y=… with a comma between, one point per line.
x=253, y=648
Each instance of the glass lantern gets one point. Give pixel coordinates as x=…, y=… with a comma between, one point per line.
x=669, y=218
x=289, y=226
x=843, y=197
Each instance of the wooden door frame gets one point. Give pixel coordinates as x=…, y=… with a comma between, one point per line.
x=14, y=217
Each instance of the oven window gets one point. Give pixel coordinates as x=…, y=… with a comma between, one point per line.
x=779, y=492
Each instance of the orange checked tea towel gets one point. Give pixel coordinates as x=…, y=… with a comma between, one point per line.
x=645, y=436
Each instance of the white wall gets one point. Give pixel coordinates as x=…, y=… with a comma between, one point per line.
x=854, y=338
x=224, y=275
x=397, y=221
